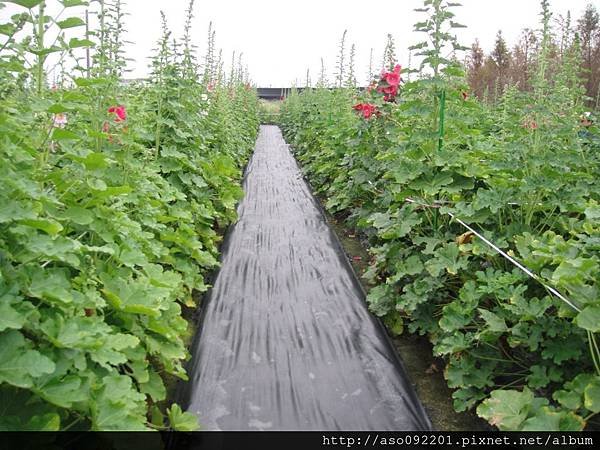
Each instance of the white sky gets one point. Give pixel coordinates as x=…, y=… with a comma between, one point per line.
x=280, y=39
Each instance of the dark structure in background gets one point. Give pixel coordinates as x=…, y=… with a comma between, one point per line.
x=281, y=93
x=275, y=93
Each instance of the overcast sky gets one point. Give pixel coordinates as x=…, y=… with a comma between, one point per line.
x=281, y=39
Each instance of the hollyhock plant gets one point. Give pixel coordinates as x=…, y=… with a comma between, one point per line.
x=366, y=109
x=119, y=112
x=389, y=83
x=393, y=78
x=60, y=120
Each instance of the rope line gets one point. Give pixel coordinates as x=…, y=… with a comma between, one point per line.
x=512, y=260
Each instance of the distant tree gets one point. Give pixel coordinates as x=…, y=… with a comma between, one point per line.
x=501, y=57
x=475, y=62
x=523, y=59
x=589, y=34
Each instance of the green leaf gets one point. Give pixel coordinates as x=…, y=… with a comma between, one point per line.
x=86, y=82
x=589, y=318
x=448, y=258
x=182, y=421
x=71, y=3
x=78, y=215
x=506, y=409
x=79, y=43
x=118, y=406
x=569, y=421
x=545, y=419
x=11, y=316
x=18, y=364
x=155, y=387
x=48, y=225
x=45, y=422
x=63, y=392
x=26, y=3
x=591, y=396
x=60, y=134
x=494, y=323
x=71, y=22
x=568, y=399
x=51, y=284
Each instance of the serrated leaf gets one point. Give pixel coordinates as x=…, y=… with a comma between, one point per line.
x=506, y=409
x=45, y=422
x=60, y=134
x=18, y=364
x=63, y=392
x=51, y=284
x=589, y=318
x=545, y=419
x=10, y=316
x=181, y=421
x=49, y=226
x=71, y=22
x=591, y=396
x=26, y=3
x=155, y=387
x=78, y=215
x=80, y=43
x=86, y=82
x=71, y=3
x=494, y=323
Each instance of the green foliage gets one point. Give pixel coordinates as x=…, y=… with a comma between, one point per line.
x=520, y=172
x=107, y=233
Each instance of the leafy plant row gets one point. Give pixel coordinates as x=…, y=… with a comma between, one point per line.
x=113, y=198
x=402, y=159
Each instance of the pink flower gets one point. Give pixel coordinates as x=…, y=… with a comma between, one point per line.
x=393, y=78
x=367, y=109
x=389, y=83
x=119, y=112
x=60, y=120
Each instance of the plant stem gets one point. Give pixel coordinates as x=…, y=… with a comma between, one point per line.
x=40, y=48
x=442, y=119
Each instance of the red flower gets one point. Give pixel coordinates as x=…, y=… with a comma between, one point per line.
x=465, y=96
x=393, y=78
x=389, y=83
x=119, y=111
x=367, y=109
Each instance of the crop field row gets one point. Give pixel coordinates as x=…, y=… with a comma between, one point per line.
x=481, y=218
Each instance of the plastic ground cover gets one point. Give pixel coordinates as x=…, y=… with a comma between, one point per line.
x=285, y=340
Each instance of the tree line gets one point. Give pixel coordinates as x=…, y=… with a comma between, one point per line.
x=574, y=42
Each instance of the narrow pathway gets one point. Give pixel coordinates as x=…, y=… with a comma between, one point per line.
x=286, y=341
